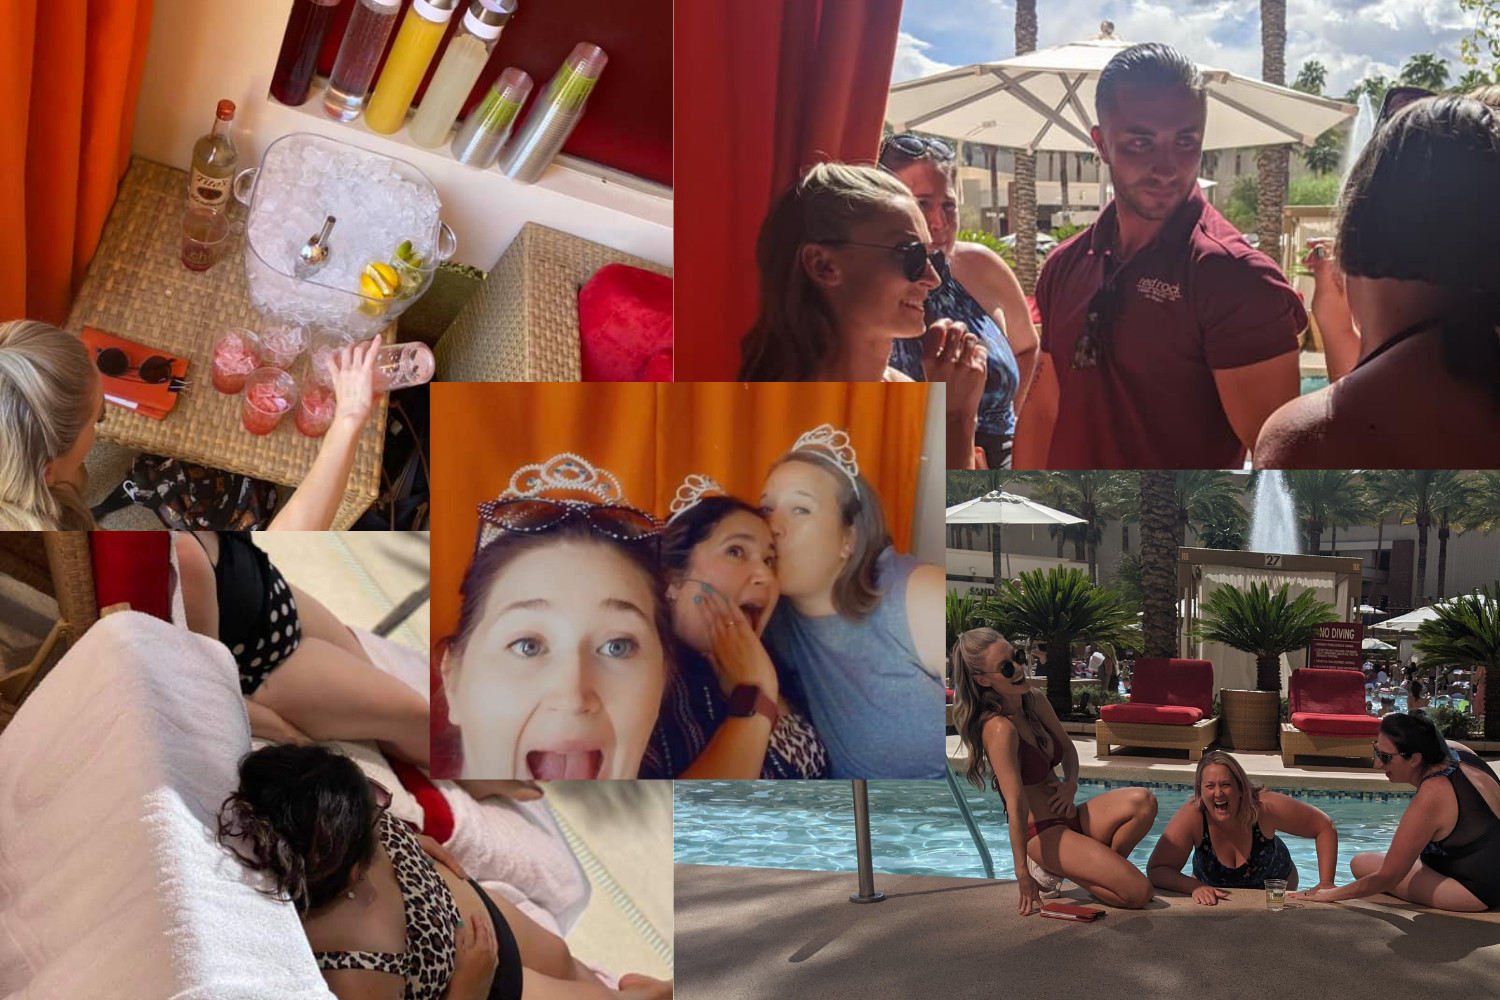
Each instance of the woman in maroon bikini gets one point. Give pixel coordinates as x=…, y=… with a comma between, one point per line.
x=1013, y=738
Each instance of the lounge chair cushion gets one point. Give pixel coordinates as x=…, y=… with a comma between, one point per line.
x=1324, y=691
x=1324, y=724
x=625, y=326
x=1162, y=715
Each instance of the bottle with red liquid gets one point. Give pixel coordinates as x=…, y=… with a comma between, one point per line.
x=305, y=29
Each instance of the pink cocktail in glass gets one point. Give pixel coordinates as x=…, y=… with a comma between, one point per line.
x=236, y=355
x=270, y=394
x=281, y=344
x=315, y=414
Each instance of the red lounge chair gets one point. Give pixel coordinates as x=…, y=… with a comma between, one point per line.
x=1171, y=706
x=1329, y=718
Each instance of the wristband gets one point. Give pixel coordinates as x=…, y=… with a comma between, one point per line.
x=747, y=700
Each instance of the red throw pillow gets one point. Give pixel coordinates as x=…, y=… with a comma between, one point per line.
x=130, y=567
x=625, y=325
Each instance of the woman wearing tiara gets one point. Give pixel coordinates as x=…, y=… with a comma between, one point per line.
x=561, y=653
x=859, y=627
x=726, y=713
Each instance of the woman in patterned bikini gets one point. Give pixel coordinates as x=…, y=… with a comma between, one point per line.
x=1229, y=826
x=389, y=914
x=726, y=713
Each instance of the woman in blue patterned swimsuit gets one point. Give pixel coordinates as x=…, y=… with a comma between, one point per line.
x=977, y=286
x=1229, y=826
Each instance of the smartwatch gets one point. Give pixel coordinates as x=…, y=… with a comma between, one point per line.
x=747, y=700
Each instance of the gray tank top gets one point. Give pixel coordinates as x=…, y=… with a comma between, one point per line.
x=876, y=709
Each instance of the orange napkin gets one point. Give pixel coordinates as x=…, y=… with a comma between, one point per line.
x=130, y=393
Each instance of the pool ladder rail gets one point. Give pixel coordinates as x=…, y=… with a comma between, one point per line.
x=867, y=892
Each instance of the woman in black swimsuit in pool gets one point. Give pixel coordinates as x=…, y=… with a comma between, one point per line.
x=389, y=914
x=1446, y=851
x=303, y=673
x=1013, y=738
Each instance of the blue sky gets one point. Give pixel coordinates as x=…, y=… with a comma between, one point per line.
x=1350, y=37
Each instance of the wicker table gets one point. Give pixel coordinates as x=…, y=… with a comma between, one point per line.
x=137, y=288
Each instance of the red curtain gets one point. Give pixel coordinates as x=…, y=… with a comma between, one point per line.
x=71, y=73
x=763, y=90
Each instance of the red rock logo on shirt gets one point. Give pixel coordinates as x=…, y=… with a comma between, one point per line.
x=1159, y=291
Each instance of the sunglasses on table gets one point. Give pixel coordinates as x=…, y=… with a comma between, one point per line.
x=1397, y=98
x=914, y=255
x=535, y=515
x=917, y=147
x=115, y=363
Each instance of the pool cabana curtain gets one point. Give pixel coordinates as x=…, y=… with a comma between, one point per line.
x=71, y=73
x=763, y=90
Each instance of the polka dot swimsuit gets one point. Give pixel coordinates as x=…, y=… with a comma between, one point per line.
x=257, y=611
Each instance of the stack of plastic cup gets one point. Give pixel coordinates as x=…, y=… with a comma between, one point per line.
x=484, y=132
x=554, y=115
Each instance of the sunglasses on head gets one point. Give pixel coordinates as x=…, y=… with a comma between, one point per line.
x=115, y=363
x=1397, y=98
x=914, y=255
x=535, y=515
x=917, y=147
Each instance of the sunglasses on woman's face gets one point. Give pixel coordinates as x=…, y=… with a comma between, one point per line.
x=1397, y=98
x=534, y=515
x=1383, y=757
x=914, y=255
x=1007, y=669
x=115, y=363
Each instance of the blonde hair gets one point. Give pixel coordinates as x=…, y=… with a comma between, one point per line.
x=1248, y=814
x=974, y=703
x=795, y=335
x=45, y=404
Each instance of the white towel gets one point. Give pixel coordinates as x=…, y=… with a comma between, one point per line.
x=111, y=881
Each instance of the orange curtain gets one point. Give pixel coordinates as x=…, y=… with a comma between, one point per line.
x=71, y=73
x=652, y=436
x=764, y=90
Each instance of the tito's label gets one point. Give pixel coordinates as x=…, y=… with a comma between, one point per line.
x=209, y=192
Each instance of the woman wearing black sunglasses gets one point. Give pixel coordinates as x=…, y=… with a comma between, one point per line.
x=978, y=290
x=1446, y=850
x=1014, y=739
x=389, y=913
x=560, y=657
x=1413, y=302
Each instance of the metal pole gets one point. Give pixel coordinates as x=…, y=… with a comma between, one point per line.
x=963, y=808
x=867, y=893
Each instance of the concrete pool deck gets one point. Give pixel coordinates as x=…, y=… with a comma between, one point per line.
x=753, y=933
x=1265, y=767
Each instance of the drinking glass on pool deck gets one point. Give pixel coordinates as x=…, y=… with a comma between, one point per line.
x=1275, y=894
x=270, y=394
x=236, y=355
x=204, y=233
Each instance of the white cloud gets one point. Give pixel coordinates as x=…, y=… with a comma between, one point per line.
x=912, y=60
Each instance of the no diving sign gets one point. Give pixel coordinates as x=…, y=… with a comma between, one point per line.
x=1337, y=644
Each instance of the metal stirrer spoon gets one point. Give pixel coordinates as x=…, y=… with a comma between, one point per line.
x=316, y=251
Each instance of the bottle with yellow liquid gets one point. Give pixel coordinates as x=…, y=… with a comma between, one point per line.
x=456, y=75
x=416, y=43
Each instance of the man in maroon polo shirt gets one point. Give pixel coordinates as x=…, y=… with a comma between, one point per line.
x=1168, y=339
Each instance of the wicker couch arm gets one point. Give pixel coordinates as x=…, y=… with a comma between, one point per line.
x=522, y=323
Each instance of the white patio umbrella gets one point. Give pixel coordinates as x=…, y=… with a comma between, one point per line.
x=1408, y=622
x=1000, y=508
x=1376, y=645
x=1366, y=609
x=1044, y=100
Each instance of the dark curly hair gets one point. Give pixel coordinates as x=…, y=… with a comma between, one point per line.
x=683, y=532
x=305, y=816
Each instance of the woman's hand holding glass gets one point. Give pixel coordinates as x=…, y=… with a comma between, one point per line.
x=352, y=373
x=738, y=657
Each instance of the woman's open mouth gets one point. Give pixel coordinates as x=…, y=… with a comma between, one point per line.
x=564, y=763
x=752, y=612
x=1220, y=808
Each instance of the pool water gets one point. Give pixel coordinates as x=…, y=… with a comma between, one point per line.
x=1312, y=383
x=916, y=827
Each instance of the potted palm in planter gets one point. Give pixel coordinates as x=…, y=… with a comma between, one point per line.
x=1257, y=621
x=1466, y=633
x=1058, y=607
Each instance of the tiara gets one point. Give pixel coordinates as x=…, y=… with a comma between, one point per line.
x=564, y=473
x=692, y=491
x=833, y=445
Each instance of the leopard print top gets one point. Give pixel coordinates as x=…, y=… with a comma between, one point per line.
x=431, y=916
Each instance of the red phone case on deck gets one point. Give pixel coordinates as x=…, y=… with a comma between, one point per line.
x=1068, y=911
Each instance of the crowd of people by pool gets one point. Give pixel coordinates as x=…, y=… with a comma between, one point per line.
x=1445, y=851
x=1166, y=340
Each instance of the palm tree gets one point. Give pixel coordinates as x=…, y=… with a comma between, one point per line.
x=1058, y=607
x=1425, y=70
x=1272, y=161
x=1257, y=621
x=1159, y=541
x=1311, y=78
x=1096, y=496
x=1326, y=154
x=1375, y=86
x=1472, y=80
x=1325, y=498
x=1203, y=496
x=1414, y=496
x=1451, y=511
x=1222, y=533
x=1466, y=632
x=961, y=608
x=1023, y=212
